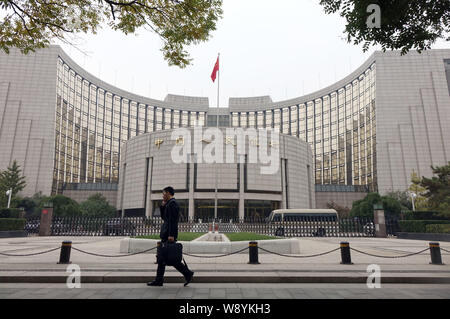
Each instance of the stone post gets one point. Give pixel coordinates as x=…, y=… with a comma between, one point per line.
x=46, y=220
x=379, y=221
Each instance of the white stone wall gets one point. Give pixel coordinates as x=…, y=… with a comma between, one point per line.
x=301, y=190
x=413, y=116
x=226, y=175
x=27, y=115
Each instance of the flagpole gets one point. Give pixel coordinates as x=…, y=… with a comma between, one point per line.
x=217, y=123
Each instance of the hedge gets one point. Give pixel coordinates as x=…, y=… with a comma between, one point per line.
x=423, y=215
x=438, y=229
x=8, y=224
x=9, y=213
x=418, y=226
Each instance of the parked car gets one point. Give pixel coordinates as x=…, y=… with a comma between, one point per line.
x=119, y=227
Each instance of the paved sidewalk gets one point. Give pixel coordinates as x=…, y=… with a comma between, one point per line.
x=224, y=291
x=272, y=268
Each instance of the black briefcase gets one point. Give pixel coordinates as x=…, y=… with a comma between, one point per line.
x=171, y=253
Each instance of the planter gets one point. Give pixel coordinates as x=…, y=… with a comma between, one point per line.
x=424, y=236
x=13, y=233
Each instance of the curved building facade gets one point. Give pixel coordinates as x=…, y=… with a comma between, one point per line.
x=369, y=131
x=247, y=187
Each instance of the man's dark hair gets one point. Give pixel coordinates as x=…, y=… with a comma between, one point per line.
x=170, y=190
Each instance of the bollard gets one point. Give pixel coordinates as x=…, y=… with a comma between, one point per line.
x=345, y=254
x=64, y=257
x=253, y=253
x=158, y=248
x=216, y=228
x=435, y=251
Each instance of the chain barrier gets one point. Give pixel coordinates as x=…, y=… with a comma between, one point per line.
x=33, y=254
x=236, y=252
x=298, y=256
x=372, y=255
x=113, y=256
x=218, y=256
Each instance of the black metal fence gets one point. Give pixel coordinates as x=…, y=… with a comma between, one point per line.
x=143, y=226
x=392, y=227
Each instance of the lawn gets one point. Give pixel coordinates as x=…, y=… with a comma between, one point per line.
x=247, y=236
x=181, y=236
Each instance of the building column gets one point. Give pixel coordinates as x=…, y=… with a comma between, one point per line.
x=191, y=187
x=123, y=190
x=283, y=184
x=149, y=203
x=241, y=189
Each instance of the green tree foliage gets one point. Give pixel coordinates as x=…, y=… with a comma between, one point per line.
x=32, y=24
x=97, y=206
x=420, y=201
x=11, y=178
x=27, y=203
x=405, y=24
x=364, y=207
x=438, y=189
x=30, y=205
x=403, y=197
x=64, y=206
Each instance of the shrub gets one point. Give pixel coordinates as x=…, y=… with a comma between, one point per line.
x=9, y=213
x=8, y=224
x=364, y=207
x=438, y=229
x=64, y=206
x=418, y=226
x=97, y=206
x=423, y=215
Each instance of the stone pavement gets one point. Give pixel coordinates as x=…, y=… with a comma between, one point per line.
x=224, y=291
x=229, y=269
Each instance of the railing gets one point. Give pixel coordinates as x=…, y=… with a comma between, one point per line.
x=392, y=227
x=434, y=248
x=143, y=226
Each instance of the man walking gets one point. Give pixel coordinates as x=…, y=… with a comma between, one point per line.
x=170, y=212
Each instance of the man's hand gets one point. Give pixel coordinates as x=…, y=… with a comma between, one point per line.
x=171, y=239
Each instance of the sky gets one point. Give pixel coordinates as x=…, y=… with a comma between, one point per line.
x=285, y=49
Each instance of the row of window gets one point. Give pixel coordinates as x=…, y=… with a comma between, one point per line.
x=91, y=124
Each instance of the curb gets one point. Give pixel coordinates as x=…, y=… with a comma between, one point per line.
x=95, y=279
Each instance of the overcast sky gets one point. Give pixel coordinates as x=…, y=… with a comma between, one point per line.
x=284, y=49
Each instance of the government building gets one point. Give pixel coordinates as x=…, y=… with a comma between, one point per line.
x=76, y=135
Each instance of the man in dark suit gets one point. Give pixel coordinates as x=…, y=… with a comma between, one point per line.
x=170, y=212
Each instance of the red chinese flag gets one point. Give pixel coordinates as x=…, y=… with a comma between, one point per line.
x=214, y=72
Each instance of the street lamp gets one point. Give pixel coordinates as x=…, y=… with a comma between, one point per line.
x=413, y=196
x=9, y=193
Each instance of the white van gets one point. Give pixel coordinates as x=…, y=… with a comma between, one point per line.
x=304, y=222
